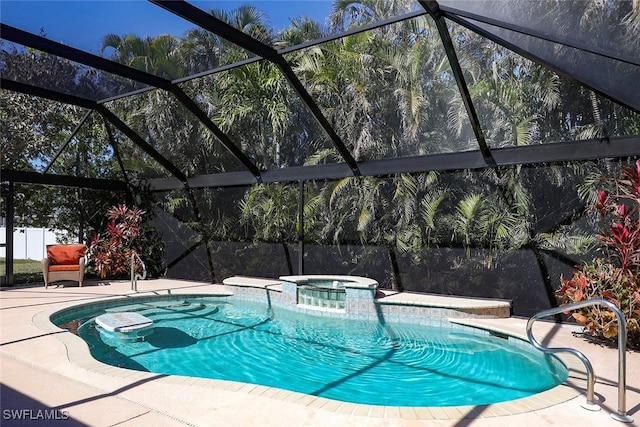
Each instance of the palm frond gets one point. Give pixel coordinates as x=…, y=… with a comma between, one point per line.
x=429, y=207
x=338, y=188
x=525, y=131
x=364, y=219
x=572, y=243
x=321, y=156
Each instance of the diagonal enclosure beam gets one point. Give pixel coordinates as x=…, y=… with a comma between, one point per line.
x=221, y=28
x=100, y=63
x=450, y=11
x=64, y=146
x=317, y=113
x=211, y=23
x=87, y=103
x=114, y=145
x=352, y=31
x=49, y=46
x=222, y=137
x=547, y=153
x=283, y=51
x=108, y=116
x=534, y=58
x=434, y=10
x=140, y=142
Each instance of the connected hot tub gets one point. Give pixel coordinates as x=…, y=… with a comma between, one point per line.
x=328, y=292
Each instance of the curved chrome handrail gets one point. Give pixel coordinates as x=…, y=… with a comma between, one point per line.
x=135, y=276
x=621, y=415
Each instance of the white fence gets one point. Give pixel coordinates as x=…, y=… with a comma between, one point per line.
x=28, y=243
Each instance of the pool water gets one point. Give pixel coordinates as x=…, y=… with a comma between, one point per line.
x=368, y=362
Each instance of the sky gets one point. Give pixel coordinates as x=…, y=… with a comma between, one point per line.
x=83, y=23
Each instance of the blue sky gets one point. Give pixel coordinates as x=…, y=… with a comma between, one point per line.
x=83, y=23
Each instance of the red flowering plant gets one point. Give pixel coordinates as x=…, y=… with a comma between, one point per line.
x=110, y=251
x=614, y=276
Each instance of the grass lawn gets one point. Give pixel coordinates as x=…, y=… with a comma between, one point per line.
x=25, y=271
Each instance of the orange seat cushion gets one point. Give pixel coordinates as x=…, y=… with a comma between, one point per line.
x=65, y=254
x=64, y=267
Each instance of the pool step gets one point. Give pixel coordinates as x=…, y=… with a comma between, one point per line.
x=184, y=306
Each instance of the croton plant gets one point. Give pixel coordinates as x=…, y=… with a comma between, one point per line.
x=111, y=250
x=614, y=276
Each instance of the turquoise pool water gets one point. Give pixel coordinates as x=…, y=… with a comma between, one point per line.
x=369, y=362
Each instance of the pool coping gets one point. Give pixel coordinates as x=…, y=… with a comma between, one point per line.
x=349, y=281
x=79, y=355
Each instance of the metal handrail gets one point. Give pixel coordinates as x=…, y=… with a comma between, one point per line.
x=621, y=415
x=135, y=276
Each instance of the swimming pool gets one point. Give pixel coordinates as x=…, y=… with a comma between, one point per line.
x=359, y=361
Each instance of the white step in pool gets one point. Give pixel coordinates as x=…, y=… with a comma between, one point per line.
x=125, y=322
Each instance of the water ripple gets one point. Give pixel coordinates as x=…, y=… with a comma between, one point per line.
x=354, y=361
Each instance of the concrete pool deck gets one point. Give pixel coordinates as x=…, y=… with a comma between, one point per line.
x=48, y=370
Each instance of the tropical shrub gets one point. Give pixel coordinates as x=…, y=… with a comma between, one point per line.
x=614, y=276
x=126, y=232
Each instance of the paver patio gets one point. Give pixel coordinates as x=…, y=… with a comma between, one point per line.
x=40, y=370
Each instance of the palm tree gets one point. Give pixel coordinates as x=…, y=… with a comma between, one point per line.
x=254, y=97
x=270, y=212
x=300, y=30
x=155, y=55
x=202, y=50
